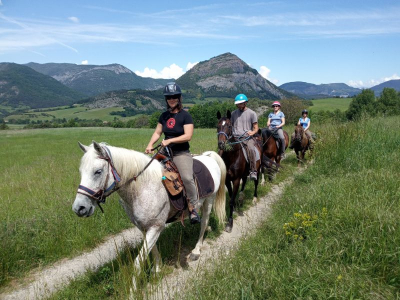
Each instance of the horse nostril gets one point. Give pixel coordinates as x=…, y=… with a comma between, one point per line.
x=81, y=210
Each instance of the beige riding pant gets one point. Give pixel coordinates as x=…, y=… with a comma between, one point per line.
x=184, y=163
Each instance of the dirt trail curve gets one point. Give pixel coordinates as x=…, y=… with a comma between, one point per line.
x=49, y=280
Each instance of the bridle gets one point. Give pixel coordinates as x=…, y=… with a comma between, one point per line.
x=101, y=195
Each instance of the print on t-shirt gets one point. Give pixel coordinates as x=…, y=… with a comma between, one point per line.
x=171, y=123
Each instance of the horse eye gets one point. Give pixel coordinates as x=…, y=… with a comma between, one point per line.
x=98, y=172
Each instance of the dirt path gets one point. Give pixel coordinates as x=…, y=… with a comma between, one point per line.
x=47, y=281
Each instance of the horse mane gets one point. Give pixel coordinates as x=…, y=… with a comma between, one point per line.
x=129, y=163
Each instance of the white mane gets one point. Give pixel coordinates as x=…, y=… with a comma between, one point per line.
x=128, y=164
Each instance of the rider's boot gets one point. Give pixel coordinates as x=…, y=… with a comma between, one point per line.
x=253, y=163
x=193, y=215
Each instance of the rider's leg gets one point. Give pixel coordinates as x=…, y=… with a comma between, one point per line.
x=184, y=163
x=252, y=158
x=282, y=139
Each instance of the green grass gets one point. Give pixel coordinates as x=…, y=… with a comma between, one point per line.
x=77, y=111
x=352, y=248
x=330, y=104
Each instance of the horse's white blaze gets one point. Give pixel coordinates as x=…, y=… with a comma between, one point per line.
x=223, y=123
x=145, y=200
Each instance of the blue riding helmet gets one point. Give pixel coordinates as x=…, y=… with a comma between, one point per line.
x=241, y=98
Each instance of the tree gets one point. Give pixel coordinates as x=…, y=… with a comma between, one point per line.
x=4, y=126
x=389, y=102
x=363, y=103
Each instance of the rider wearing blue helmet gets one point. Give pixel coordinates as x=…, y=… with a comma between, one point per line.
x=245, y=124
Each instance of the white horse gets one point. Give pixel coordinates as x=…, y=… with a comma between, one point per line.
x=105, y=169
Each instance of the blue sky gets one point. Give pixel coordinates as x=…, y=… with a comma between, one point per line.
x=355, y=42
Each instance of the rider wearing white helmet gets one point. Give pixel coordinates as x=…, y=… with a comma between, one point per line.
x=245, y=124
x=305, y=122
x=276, y=120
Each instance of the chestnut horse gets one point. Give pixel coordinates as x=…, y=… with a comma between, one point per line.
x=300, y=143
x=271, y=154
x=237, y=168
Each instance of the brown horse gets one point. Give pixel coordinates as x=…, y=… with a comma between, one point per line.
x=271, y=153
x=300, y=143
x=231, y=151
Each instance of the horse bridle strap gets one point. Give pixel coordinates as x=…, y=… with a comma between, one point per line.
x=101, y=195
x=160, y=147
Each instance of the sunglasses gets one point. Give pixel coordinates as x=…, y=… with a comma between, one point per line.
x=172, y=97
x=275, y=106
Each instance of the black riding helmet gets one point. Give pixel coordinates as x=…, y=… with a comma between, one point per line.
x=304, y=111
x=172, y=89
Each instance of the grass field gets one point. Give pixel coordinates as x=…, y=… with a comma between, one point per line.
x=330, y=104
x=77, y=111
x=38, y=182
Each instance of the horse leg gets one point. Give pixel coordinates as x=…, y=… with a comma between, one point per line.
x=262, y=176
x=241, y=194
x=151, y=238
x=236, y=184
x=157, y=259
x=255, y=189
x=205, y=216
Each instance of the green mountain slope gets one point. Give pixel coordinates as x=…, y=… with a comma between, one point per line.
x=93, y=80
x=309, y=90
x=22, y=86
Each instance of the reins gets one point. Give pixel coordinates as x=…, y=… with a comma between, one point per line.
x=159, y=147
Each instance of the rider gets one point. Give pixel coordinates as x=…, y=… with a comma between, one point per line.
x=305, y=122
x=276, y=120
x=177, y=126
x=245, y=125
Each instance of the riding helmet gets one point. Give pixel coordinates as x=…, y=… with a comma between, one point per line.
x=305, y=111
x=276, y=103
x=172, y=89
x=241, y=98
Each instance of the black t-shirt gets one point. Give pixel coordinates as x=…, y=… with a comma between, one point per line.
x=172, y=126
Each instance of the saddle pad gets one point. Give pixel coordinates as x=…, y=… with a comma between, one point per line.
x=203, y=178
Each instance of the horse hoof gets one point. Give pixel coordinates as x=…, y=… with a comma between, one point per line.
x=240, y=213
x=194, y=257
x=241, y=196
x=228, y=229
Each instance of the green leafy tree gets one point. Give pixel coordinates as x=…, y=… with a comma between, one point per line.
x=153, y=120
x=363, y=104
x=389, y=102
x=4, y=126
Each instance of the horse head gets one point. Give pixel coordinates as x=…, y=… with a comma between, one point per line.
x=224, y=129
x=96, y=181
x=298, y=133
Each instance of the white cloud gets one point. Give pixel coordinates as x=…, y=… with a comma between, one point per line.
x=190, y=65
x=84, y=62
x=173, y=71
x=264, y=72
x=1, y=3
x=372, y=82
x=73, y=19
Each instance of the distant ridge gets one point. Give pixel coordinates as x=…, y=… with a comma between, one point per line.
x=226, y=76
x=22, y=86
x=394, y=84
x=97, y=79
x=310, y=91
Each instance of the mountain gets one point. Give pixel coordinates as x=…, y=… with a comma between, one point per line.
x=22, y=86
x=394, y=84
x=92, y=79
x=309, y=90
x=225, y=76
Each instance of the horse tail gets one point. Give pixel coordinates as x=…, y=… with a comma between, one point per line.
x=220, y=199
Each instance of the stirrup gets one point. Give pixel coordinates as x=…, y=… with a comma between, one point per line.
x=194, y=217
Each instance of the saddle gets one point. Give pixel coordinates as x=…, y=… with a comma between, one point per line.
x=174, y=186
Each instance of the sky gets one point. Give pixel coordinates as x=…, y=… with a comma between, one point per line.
x=353, y=42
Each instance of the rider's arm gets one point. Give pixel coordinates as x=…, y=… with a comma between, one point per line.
x=282, y=124
x=298, y=123
x=154, y=138
x=255, y=129
x=269, y=122
x=308, y=125
x=185, y=137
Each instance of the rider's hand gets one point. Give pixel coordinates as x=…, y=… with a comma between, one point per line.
x=148, y=150
x=165, y=143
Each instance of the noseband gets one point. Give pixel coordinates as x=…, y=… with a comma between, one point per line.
x=101, y=195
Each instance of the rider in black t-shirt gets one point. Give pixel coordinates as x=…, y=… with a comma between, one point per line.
x=177, y=126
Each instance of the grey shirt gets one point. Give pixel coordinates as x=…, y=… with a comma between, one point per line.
x=243, y=121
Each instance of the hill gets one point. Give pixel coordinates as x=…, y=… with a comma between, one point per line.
x=22, y=86
x=93, y=80
x=226, y=76
x=394, y=84
x=310, y=91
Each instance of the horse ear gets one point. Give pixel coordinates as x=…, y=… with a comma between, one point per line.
x=99, y=149
x=83, y=147
x=218, y=115
x=228, y=114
